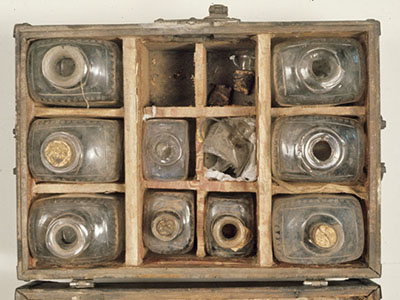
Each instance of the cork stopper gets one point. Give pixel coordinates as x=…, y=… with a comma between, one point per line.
x=166, y=226
x=324, y=236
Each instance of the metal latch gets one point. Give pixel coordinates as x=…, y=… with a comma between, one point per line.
x=315, y=283
x=217, y=13
x=81, y=284
x=383, y=169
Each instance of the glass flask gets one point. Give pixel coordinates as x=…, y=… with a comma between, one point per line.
x=243, y=77
x=75, y=72
x=168, y=221
x=75, y=150
x=76, y=229
x=317, y=229
x=166, y=149
x=230, y=227
x=318, y=71
x=317, y=148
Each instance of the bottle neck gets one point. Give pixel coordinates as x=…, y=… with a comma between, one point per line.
x=67, y=236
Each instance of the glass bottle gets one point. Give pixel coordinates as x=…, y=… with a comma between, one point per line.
x=318, y=71
x=229, y=224
x=75, y=150
x=166, y=149
x=76, y=229
x=317, y=148
x=168, y=221
x=75, y=72
x=317, y=229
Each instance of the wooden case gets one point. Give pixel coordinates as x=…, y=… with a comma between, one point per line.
x=143, y=46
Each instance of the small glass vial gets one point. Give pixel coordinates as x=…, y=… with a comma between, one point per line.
x=76, y=229
x=317, y=229
x=317, y=149
x=166, y=149
x=76, y=73
x=318, y=71
x=168, y=222
x=75, y=150
x=229, y=224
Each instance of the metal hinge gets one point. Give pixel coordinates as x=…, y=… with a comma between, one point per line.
x=315, y=283
x=217, y=13
x=81, y=284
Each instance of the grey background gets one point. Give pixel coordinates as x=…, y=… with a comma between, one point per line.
x=107, y=12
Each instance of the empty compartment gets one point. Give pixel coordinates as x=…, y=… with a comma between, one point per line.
x=171, y=74
x=231, y=73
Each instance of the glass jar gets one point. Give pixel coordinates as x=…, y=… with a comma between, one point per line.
x=166, y=149
x=75, y=150
x=318, y=71
x=75, y=72
x=229, y=224
x=317, y=229
x=76, y=229
x=168, y=222
x=317, y=148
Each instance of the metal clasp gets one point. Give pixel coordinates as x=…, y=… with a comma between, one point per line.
x=81, y=284
x=217, y=13
x=315, y=283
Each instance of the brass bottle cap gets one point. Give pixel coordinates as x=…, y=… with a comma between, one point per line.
x=59, y=153
x=324, y=236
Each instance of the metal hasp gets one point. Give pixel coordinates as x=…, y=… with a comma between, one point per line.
x=81, y=284
x=217, y=13
x=315, y=283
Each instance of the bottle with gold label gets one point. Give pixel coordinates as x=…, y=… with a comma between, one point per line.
x=75, y=150
x=75, y=72
x=317, y=229
x=168, y=222
x=229, y=224
x=76, y=229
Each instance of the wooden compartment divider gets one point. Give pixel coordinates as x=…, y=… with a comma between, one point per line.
x=133, y=197
x=200, y=88
x=264, y=196
x=52, y=112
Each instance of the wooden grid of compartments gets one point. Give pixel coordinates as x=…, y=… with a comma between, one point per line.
x=138, y=43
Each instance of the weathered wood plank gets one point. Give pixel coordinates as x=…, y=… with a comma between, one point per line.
x=323, y=110
x=264, y=196
x=56, y=112
x=74, y=188
x=267, y=291
x=133, y=205
x=199, y=112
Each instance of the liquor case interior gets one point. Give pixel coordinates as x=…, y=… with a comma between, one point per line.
x=190, y=49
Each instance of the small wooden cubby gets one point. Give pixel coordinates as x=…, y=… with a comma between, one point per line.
x=165, y=75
